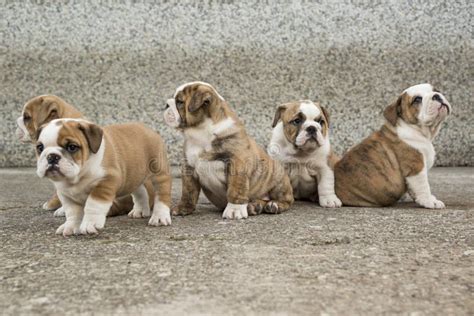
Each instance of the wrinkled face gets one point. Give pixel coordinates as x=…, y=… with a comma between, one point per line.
x=190, y=104
x=36, y=112
x=419, y=105
x=64, y=146
x=305, y=124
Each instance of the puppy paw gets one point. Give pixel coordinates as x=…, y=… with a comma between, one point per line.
x=48, y=206
x=182, y=210
x=60, y=212
x=92, y=224
x=139, y=213
x=161, y=216
x=255, y=208
x=235, y=211
x=330, y=200
x=272, y=207
x=68, y=228
x=430, y=202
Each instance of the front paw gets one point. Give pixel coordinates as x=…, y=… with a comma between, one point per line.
x=161, y=216
x=430, y=202
x=60, y=212
x=139, y=213
x=182, y=210
x=330, y=200
x=50, y=206
x=69, y=228
x=235, y=211
x=92, y=224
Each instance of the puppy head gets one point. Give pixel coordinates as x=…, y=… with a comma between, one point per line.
x=191, y=104
x=419, y=105
x=37, y=112
x=64, y=147
x=305, y=124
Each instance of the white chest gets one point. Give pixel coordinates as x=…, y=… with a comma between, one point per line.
x=420, y=143
x=303, y=181
x=211, y=174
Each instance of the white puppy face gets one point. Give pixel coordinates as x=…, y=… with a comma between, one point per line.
x=305, y=124
x=433, y=106
x=64, y=148
x=419, y=105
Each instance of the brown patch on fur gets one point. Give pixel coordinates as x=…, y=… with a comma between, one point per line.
x=405, y=108
x=251, y=173
x=43, y=109
x=53, y=203
x=373, y=173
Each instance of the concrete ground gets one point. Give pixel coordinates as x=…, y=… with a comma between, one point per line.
x=309, y=260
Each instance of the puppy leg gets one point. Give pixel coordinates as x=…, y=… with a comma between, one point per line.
x=281, y=197
x=237, y=191
x=161, y=208
x=141, y=205
x=419, y=189
x=74, y=213
x=53, y=203
x=327, y=195
x=189, y=194
x=97, y=206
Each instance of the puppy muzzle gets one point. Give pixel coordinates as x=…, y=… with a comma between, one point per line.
x=21, y=131
x=171, y=114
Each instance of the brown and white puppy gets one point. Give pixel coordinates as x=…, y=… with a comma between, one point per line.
x=234, y=173
x=45, y=108
x=396, y=158
x=37, y=112
x=91, y=166
x=300, y=141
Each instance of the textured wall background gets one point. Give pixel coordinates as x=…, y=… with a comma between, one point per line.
x=118, y=61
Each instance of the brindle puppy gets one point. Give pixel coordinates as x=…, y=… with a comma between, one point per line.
x=234, y=173
x=396, y=158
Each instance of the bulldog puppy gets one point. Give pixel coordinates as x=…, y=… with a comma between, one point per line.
x=300, y=141
x=45, y=108
x=37, y=112
x=396, y=158
x=234, y=173
x=91, y=166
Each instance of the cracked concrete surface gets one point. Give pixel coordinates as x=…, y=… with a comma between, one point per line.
x=309, y=260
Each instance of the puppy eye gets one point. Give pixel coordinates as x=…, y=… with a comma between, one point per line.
x=320, y=121
x=71, y=148
x=417, y=100
x=296, y=121
x=40, y=148
x=26, y=118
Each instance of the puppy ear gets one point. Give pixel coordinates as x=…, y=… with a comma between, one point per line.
x=93, y=135
x=279, y=111
x=325, y=113
x=393, y=111
x=48, y=112
x=200, y=99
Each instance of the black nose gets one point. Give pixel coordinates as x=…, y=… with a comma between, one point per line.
x=167, y=106
x=53, y=159
x=437, y=97
x=311, y=130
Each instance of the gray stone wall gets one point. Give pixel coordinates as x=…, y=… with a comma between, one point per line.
x=118, y=61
